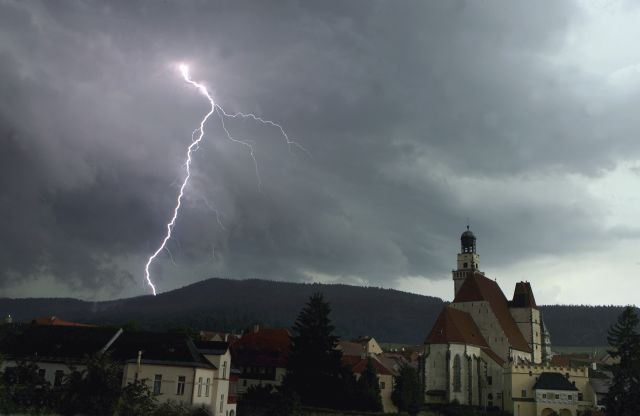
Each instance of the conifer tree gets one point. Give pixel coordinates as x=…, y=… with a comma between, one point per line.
x=407, y=392
x=368, y=390
x=314, y=367
x=623, y=398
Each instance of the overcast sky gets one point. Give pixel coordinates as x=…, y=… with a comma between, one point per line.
x=521, y=116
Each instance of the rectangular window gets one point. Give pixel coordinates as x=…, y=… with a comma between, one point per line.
x=181, y=383
x=221, y=402
x=199, y=386
x=489, y=380
x=57, y=381
x=524, y=393
x=224, y=370
x=580, y=396
x=382, y=385
x=244, y=383
x=544, y=395
x=557, y=396
x=570, y=397
x=41, y=373
x=157, y=384
x=206, y=387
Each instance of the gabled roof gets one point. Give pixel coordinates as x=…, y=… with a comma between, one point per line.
x=71, y=343
x=553, y=381
x=267, y=347
x=358, y=364
x=58, y=343
x=478, y=288
x=560, y=360
x=454, y=325
x=157, y=348
x=523, y=296
x=212, y=347
x=350, y=348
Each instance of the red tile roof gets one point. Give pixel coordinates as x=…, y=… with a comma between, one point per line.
x=53, y=321
x=350, y=348
x=523, y=296
x=358, y=364
x=267, y=347
x=454, y=325
x=477, y=288
x=495, y=357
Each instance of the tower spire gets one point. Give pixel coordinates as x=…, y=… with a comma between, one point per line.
x=468, y=259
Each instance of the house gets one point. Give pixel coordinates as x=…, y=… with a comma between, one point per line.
x=224, y=383
x=170, y=364
x=261, y=357
x=543, y=389
x=369, y=344
x=489, y=351
x=218, y=336
x=55, y=348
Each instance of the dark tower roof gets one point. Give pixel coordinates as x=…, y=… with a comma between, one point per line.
x=468, y=241
x=523, y=296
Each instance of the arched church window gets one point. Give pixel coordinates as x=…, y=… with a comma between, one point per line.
x=457, y=376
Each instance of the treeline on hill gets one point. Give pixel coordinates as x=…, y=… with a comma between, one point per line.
x=232, y=305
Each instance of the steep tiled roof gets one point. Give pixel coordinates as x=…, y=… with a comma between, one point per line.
x=358, y=364
x=553, y=381
x=267, y=347
x=560, y=360
x=477, y=288
x=212, y=347
x=454, y=325
x=57, y=343
x=350, y=348
x=71, y=343
x=158, y=347
x=495, y=357
x=523, y=296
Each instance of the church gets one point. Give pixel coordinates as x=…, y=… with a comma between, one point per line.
x=488, y=351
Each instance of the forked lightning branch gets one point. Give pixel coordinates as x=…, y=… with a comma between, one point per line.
x=197, y=137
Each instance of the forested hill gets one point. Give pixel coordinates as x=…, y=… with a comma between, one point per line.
x=232, y=305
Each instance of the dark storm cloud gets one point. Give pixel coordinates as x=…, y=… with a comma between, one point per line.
x=396, y=101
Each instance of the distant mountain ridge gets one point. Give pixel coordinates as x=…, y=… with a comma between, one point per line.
x=231, y=305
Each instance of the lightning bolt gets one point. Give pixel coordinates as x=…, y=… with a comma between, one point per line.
x=196, y=138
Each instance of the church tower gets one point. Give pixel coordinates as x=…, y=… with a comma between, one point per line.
x=468, y=259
